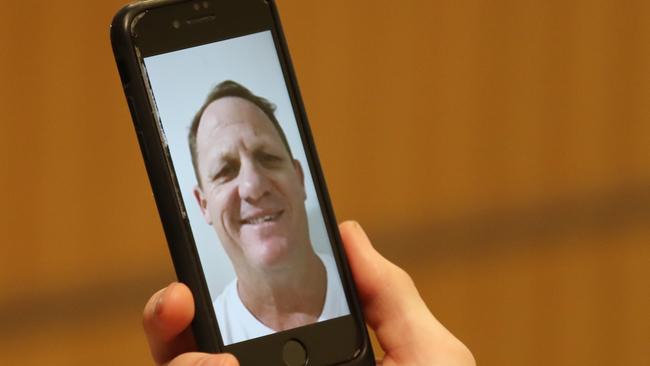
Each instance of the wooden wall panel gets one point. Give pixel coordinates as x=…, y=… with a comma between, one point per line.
x=499, y=151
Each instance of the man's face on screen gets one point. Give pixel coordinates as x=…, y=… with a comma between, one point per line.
x=251, y=191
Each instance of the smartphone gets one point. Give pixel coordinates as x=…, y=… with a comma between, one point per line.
x=237, y=182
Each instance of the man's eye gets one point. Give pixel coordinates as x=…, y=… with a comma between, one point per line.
x=269, y=158
x=225, y=174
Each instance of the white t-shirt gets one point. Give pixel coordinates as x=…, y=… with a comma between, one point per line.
x=237, y=324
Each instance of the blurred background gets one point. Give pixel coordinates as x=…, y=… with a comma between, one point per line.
x=498, y=150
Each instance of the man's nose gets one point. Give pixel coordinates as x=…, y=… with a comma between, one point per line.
x=253, y=184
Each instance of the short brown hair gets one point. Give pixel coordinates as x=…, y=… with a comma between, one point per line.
x=225, y=89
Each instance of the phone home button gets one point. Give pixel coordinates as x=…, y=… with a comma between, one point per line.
x=294, y=353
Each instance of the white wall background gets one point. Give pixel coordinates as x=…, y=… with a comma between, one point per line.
x=181, y=80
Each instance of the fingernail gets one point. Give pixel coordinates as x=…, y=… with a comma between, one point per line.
x=219, y=360
x=358, y=227
x=159, y=301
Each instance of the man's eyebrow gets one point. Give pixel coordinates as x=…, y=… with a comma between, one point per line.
x=266, y=143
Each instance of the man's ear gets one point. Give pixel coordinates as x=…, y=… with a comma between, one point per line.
x=301, y=174
x=203, y=204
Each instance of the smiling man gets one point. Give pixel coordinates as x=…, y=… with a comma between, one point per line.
x=251, y=191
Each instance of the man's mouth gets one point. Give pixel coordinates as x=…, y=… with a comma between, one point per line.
x=257, y=220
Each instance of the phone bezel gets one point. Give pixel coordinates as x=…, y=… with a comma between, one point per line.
x=139, y=30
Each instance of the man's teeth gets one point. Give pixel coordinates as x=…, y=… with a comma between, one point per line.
x=259, y=220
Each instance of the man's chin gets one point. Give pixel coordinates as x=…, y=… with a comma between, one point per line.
x=269, y=253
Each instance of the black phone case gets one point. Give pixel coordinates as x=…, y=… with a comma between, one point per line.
x=168, y=199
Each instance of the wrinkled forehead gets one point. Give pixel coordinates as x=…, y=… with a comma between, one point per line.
x=233, y=114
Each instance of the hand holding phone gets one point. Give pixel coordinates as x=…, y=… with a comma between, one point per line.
x=407, y=331
x=243, y=202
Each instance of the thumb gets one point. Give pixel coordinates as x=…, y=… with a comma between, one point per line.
x=405, y=328
x=387, y=292
x=203, y=359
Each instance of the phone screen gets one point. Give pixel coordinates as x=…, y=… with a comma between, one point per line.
x=231, y=131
